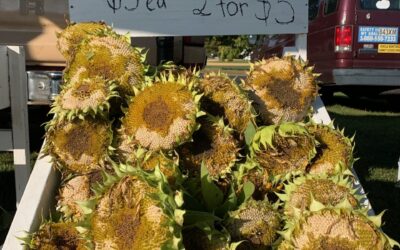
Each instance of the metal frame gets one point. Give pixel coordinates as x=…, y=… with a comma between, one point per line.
x=16, y=139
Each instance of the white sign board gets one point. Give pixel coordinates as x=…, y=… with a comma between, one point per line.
x=195, y=17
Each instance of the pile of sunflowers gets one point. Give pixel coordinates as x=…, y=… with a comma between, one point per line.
x=168, y=158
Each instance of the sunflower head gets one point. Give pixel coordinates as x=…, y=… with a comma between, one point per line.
x=214, y=146
x=336, y=229
x=58, y=235
x=75, y=190
x=256, y=222
x=168, y=164
x=135, y=210
x=223, y=97
x=128, y=151
x=70, y=38
x=191, y=75
x=159, y=120
x=282, y=89
x=334, y=152
x=309, y=190
x=80, y=146
x=283, y=150
x=87, y=97
x=111, y=58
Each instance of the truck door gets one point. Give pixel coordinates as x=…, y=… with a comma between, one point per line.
x=377, y=34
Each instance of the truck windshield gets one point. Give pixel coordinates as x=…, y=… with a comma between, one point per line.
x=380, y=4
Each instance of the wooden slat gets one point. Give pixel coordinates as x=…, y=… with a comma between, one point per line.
x=36, y=203
x=301, y=45
x=19, y=114
x=6, y=140
x=4, y=88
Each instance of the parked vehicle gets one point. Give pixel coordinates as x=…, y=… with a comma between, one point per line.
x=34, y=23
x=351, y=42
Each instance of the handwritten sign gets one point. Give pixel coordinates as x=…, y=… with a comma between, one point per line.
x=195, y=17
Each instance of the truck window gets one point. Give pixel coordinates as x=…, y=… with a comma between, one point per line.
x=313, y=7
x=380, y=4
x=330, y=6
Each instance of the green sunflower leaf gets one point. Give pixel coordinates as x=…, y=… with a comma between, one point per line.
x=247, y=192
x=249, y=133
x=196, y=218
x=212, y=195
x=229, y=204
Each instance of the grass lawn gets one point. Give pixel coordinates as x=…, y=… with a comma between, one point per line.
x=236, y=68
x=7, y=195
x=377, y=128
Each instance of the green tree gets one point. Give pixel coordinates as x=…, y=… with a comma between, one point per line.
x=228, y=47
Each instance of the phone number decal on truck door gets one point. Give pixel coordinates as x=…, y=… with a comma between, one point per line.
x=372, y=34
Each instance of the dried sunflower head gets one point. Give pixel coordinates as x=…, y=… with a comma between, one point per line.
x=168, y=164
x=336, y=229
x=280, y=151
x=303, y=191
x=111, y=58
x=70, y=38
x=87, y=97
x=282, y=89
x=255, y=222
x=58, y=235
x=162, y=115
x=223, y=97
x=128, y=151
x=79, y=146
x=170, y=68
x=334, y=152
x=214, y=145
x=75, y=190
x=135, y=211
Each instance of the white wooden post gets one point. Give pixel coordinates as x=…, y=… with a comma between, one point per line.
x=4, y=87
x=19, y=113
x=5, y=134
x=301, y=45
x=300, y=48
x=37, y=202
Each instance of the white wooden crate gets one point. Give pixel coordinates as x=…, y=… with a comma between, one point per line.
x=39, y=196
